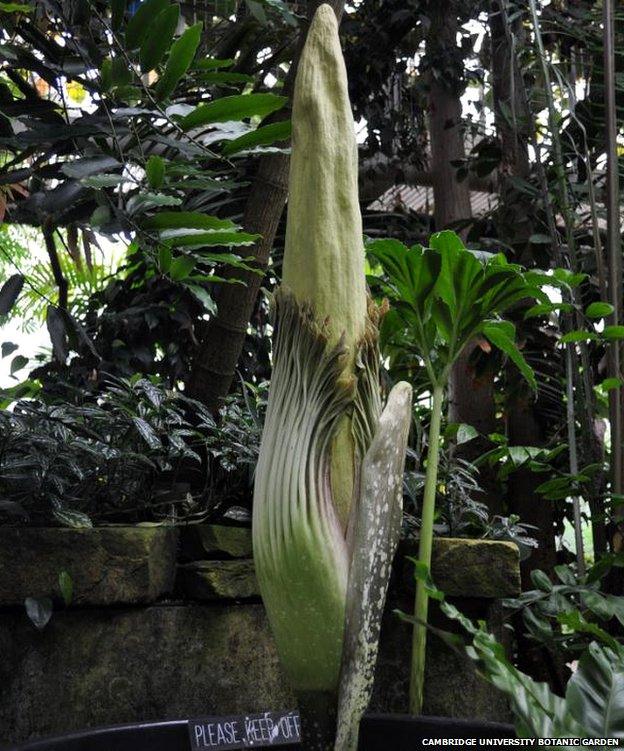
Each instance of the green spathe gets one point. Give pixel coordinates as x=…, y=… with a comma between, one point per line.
x=327, y=496
x=299, y=548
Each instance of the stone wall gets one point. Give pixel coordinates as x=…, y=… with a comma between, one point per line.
x=146, y=637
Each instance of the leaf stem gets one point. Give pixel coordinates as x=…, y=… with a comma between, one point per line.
x=424, y=554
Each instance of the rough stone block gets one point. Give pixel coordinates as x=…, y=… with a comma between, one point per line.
x=95, y=667
x=462, y=567
x=218, y=580
x=217, y=538
x=108, y=565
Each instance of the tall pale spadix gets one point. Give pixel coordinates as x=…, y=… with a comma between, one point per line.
x=327, y=502
x=324, y=255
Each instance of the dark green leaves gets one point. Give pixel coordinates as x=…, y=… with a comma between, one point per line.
x=186, y=220
x=10, y=292
x=599, y=310
x=181, y=267
x=502, y=335
x=595, y=692
x=155, y=171
x=158, y=40
x=233, y=108
x=214, y=239
x=180, y=58
x=445, y=295
x=140, y=22
x=411, y=273
x=612, y=333
x=263, y=136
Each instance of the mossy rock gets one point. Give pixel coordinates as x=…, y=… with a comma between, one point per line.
x=476, y=568
x=99, y=666
x=107, y=565
x=218, y=538
x=218, y=580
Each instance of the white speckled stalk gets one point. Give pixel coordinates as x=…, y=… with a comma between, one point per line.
x=376, y=535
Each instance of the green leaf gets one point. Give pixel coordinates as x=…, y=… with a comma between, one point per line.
x=613, y=333
x=538, y=626
x=599, y=310
x=537, y=711
x=181, y=267
x=611, y=383
x=100, y=216
x=465, y=433
x=164, y=258
x=543, y=309
x=143, y=201
x=567, y=278
x=147, y=432
x=565, y=575
x=257, y=11
x=8, y=348
x=66, y=585
x=9, y=293
x=210, y=239
x=103, y=181
x=233, y=108
x=210, y=63
x=579, y=336
x=498, y=335
x=155, y=171
x=598, y=605
x=180, y=58
x=595, y=692
x=541, y=580
x=80, y=168
x=204, y=297
x=186, y=220
x=263, y=136
x=18, y=362
x=217, y=77
x=139, y=23
x=73, y=519
x=422, y=573
x=158, y=38
x=15, y=8
x=540, y=239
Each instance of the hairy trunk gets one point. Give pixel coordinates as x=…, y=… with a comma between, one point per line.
x=516, y=212
x=220, y=348
x=451, y=197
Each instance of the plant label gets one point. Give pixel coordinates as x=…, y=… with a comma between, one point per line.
x=245, y=731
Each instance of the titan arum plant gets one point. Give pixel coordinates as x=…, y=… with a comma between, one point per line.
x=442, y=298
x=328, y=489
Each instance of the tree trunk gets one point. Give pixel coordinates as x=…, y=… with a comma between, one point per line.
x=515, y=225
x=451, y=198
x=220, y=348
x=513, y=125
